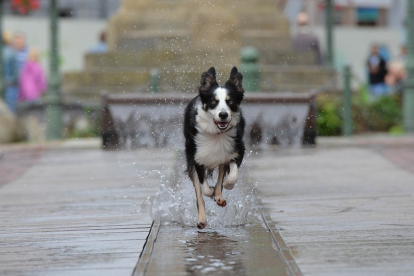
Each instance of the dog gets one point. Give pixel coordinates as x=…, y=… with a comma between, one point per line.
x=213, y=131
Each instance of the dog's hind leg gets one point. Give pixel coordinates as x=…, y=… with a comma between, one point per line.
x=231, y=177
x=202, y=220
x=207, y=190
x=219, y=187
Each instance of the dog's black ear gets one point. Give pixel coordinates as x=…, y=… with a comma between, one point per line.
x=212, y=71
x=208, y=81
x=236, y=81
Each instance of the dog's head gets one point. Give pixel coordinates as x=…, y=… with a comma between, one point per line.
x=221, y=103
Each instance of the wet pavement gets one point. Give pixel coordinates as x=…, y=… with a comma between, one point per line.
x=343, y=208
x=75, y=211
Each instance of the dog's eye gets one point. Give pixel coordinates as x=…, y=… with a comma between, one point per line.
x=230, y=102
x=213, y=102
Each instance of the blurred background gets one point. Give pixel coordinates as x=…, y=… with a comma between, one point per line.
x=349, y=55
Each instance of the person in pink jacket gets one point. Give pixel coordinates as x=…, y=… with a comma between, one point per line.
x=32, y=80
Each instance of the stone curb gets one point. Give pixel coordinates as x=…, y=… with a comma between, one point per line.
x=374, y=140
x=146, y=253
x=284, y=250
x=85, y=143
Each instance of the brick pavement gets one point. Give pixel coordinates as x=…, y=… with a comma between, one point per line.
x=397, y=149
x=16, y=160
x=402, y=157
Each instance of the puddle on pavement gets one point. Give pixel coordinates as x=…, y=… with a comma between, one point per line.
x=240, y=250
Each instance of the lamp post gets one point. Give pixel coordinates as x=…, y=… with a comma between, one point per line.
x=408, y=97
x=53, y=98
x=2, y=86
x=347, y=103
x=250, y=68
x=329, y=59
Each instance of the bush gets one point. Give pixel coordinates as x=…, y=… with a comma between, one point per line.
x=328, y=118
x=85, y=126
x=381, y=115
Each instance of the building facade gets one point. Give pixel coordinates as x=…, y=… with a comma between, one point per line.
x=373, y=13
x=82, y=9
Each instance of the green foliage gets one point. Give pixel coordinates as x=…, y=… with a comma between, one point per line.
x=381, y=115
x=90, y=127
x=396, y=130
x=328, y=118
x=364, y=94
x=84, y=133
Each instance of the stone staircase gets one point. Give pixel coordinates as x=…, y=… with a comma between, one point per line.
x=182, y=39
x=127, y=72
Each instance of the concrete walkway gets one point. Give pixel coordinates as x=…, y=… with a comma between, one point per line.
x=344, y=208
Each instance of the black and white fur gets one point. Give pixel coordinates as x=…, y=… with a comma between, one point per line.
x=213, y=131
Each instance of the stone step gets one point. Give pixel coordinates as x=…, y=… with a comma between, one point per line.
x=176, y=40
x=286, y=77
x=160, y=59
x=93, y=94
x=90, y=85
x=105, y=78
x=180, y=76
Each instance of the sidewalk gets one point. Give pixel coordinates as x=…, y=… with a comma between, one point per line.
x=345, y=207
x=74, y=211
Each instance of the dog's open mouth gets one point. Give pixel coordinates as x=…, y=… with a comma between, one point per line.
x=222, y=125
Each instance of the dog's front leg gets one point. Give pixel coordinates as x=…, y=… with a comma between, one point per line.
x=218, y=189
x=231, y=177
x=202, y=220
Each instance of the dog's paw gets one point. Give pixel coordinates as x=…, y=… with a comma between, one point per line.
x=201, y=224
x=221, y=201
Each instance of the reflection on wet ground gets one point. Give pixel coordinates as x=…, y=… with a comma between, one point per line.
x=242, y=250
x=211, y=251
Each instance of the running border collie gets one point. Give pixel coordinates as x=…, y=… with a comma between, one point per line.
x=213, y=131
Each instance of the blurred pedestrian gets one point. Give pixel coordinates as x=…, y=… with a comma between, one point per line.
x=101, y=46
x=19, y=45
x=10, y=72
x=32, y=78
x=396, y=72
x=384, y=53
x=377, y=70
x=304, y=39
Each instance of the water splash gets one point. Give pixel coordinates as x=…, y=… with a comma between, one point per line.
x=175, y=202
x=160, y=125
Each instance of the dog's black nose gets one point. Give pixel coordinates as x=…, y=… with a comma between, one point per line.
x=223, y=115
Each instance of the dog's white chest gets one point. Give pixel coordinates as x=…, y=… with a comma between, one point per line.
x=215, y=149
